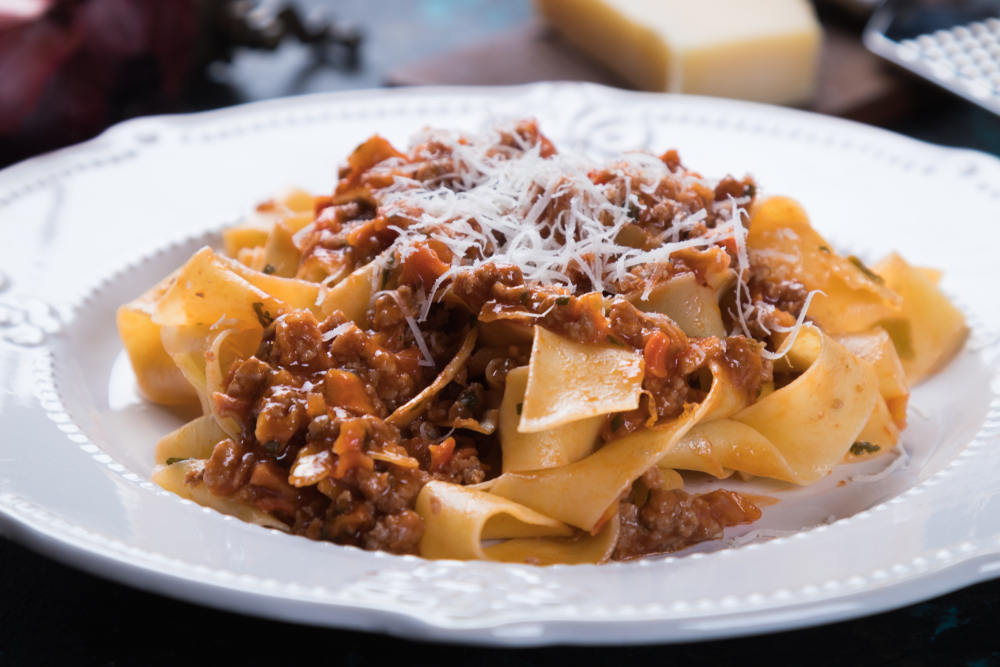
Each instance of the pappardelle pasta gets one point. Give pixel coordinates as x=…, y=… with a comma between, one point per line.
x=482, y=348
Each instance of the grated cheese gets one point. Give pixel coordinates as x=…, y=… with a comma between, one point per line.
x=333, y=333
x=427, y=360
x=543, y=215
x=902, y=461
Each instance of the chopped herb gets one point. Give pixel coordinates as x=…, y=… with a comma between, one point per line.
x=272, y=447
x=860, y=448
x=615, y=341
x=469, y=400
x=385, y=278
x=562, y=300
x=633, y=211
x=874, y=277
x=269, y=269
x=901, y=333
x=760, y=390
x=617, y=422
x=824, y=249
x=177, y=459
x=751, y=191
x=520, y=406
x=263, y=316
x=524, y=297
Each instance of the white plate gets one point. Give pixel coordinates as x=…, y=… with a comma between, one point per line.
x=91, y=227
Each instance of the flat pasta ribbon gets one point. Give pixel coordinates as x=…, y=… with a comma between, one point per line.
x=797, y=433
x=929, y=330
x=174, y=478
x=581, y=493
x=352, y=294
x=159, y=378
x=689, y=303
x=550, y=448
x=569, y=381
x=194, y=440
x=852, y=299
x=458, y=518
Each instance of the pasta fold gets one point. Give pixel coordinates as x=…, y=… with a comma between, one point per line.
x=929, y=330
x=569, y=381
x=797, y=433
x=173, y=478
x=194, y=440
x=550, y=448
x=458, y=518
x=692, y=305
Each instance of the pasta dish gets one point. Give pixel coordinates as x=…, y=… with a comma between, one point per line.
x=483, y=348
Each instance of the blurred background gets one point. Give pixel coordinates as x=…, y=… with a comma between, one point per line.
x=70, y=68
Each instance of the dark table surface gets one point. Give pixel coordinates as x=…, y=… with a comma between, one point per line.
x=54, y=615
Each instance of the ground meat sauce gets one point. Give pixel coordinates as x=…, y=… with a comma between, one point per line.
x=660, y=520
x=323, y=391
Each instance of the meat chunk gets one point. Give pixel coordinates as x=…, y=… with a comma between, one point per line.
x=670, y=520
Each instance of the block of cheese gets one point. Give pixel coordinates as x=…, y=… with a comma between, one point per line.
x=761, y=50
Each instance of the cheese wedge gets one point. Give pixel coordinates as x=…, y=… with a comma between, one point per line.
x=760, y=50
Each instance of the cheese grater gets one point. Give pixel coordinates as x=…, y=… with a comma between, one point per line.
x=953, y=44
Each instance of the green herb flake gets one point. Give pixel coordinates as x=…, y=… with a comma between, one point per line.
x=859, y=448
x=617, y=422
x=520, y=406
x=272, y=447
x=469, y=400
x=615, y=341
x=269, y=269
x=524, y=297
x=177, y=459
x=871, y=275
x=901, y=332
x=263, y=316
x=825, y=249
x=751, y=191
x=562, y=301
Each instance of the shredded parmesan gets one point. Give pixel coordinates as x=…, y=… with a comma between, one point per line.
x=333, y=333
x=543, y=215
x=902, y=461
x=427, y=360
x=764, y=534
x=790, y=340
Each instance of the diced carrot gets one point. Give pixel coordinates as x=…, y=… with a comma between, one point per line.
x=346, y=390
x=441, y=454
x=423, y=265
x=656, y=354
x=349, y=448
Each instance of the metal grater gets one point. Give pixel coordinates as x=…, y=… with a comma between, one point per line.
x=961, y=57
